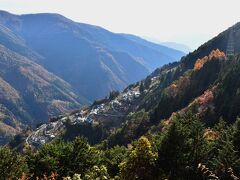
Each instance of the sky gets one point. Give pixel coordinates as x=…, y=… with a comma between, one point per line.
x=191, y=22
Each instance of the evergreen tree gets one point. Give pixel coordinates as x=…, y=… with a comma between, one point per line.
x=141, y=87
x=83, y=157
x=12, y=165
x=65, y=159
x=183, y=147
x=49, y=159
x=113, y=157
x=225, y=160
x=236, y=136
x=147, y=83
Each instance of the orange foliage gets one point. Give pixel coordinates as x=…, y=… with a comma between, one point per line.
x=215, y=54
x=206, y=97
x=178, y=86
x=173, y=86
x=200, y=62
x=172, y=90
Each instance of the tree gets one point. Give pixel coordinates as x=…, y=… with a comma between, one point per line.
x=141, y=87
x=147, y=82
x=113, y=94
x=182, y=147
x=236, y=136
x=171, y=150
x=113, y=157
x=65, y=159
x=96, y=172
x=141, y=162
x=83, y=157
x=51, y=158
x=12, y=165
x=225, y=159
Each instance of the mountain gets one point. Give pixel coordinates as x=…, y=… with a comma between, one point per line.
x=180, y=122
x=29, y=93
x=51, y=65
x=181, y=47
x=204, y=83
x=174, y=54
x=87, y=57
x=173, y=45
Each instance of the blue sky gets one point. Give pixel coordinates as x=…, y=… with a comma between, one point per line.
x=190, y=22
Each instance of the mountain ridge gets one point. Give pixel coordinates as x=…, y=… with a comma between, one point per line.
x=196, y=84
x=51, y=64
x=55, y=33
x=24, y=85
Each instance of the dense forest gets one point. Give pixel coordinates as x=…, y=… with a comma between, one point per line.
x=200, y=139
x=184, y=150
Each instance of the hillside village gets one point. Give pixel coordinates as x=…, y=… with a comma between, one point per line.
x=110, y=110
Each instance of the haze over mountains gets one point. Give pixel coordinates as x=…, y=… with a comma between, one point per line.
x=205, y=83
x=81, y=53
x=178, y=46
x=50, y=64
x=175, y=45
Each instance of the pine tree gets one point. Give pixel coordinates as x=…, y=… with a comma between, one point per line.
x=236, y=136
x=141, y=88
x=113, y=157
x=183, y=147
x=225, y=160
x=12, y=165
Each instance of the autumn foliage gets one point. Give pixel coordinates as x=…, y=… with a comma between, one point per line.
x=178, y=86
x=215, y=54
x=206, y=97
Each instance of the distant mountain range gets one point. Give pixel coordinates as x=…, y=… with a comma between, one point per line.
x=178, y=46
x=86, y=56
x=50, y=64
x=174, y=45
